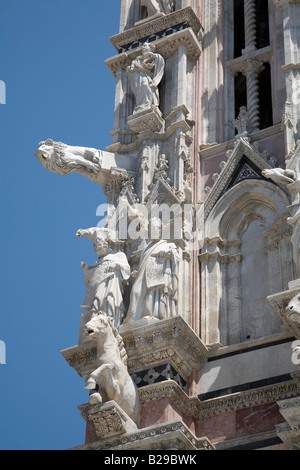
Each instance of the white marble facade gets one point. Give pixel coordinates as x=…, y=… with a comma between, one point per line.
x=179, y=140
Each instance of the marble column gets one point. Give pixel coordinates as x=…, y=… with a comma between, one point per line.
x=250, y=25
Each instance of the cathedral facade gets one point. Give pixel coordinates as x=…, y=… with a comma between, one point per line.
x=190, y=329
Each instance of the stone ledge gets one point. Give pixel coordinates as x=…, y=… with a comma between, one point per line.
x=172, y=339
x=171, y=436
x=193, y=407
x=155, y=26
x=150, y=118
x=165, y=46
x=148, y=345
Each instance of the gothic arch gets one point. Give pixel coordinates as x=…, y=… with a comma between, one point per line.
x=247, y=255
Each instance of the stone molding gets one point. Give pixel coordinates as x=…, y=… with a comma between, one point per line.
x=174, y=435
x=223, y=259
x=176, y=121
x=157, y=25
x=146, y=119
x=166, y=47
x=289, y=432
x=171, y=339
x=193, y=407
x=149, y=345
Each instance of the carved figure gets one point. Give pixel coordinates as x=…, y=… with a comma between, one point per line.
x=111, y=380
x=154, y=292
x=64, y=159
x=279, y=175
x=242, y=122
x=293, y=310
x=145, y=74
x=105, y=280
x=158, y=7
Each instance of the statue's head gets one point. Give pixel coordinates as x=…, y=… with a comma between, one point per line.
x=101, y=245
x=148, y=47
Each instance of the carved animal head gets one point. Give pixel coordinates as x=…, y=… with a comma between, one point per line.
x=267, y=173
x=45, y=151
x=54, y=158
x=293, y=310
x=98, y=326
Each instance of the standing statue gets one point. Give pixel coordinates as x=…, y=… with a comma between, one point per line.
x=145, y=74
x=158, y=7
x=154, y=292
x=104, y=280
x=111, y=380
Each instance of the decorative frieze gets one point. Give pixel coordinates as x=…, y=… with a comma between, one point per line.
x=148, y=346
x=160, y=27
x=174, y=435
x=193, y=407
x=167, y=340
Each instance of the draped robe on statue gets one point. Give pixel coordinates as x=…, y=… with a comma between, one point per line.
x=104, y=283
x=154, y=292
x=145, y=77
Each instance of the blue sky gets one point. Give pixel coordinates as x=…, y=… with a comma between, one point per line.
x=52, y=55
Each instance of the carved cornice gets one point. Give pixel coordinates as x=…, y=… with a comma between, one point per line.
x=171, y=339
x=174, y=435
x=155, y=26
x=193, y=407
x=176, y=121
x=222, y=259
x=149, y=345
x=166, y=47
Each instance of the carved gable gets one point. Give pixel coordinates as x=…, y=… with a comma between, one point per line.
x=244, y=162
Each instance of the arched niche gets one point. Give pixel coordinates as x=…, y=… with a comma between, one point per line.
x=247, y=255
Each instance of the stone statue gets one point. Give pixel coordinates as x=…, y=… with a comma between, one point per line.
x=154, y=292
x=279, y=175
x=293, y=310
x=158, y=7
x=64, y=159
x=111, y=380
x=105, y=280
x=145, y=74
